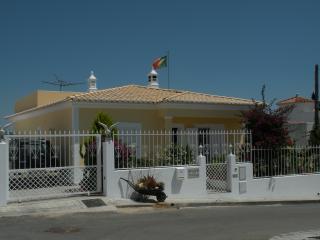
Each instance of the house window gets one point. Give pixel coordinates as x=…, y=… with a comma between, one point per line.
x=203, y=137
x=177, y=136
x=204, y=141
x=174, y=137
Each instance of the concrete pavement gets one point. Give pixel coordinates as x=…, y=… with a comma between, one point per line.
x=78, y=205
x=53, y=206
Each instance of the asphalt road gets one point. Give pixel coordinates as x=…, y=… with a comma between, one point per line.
x=235, y=222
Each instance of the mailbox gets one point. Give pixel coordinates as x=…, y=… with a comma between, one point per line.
x=180, y=173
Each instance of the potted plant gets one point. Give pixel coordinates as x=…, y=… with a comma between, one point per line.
x=149, y=183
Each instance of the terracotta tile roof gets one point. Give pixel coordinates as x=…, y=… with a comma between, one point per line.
x=141, y=94
x=296, y=99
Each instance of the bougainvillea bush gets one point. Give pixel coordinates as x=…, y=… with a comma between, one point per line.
x=268, y=125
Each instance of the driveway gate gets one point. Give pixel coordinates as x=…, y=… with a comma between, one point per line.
x=53, y=165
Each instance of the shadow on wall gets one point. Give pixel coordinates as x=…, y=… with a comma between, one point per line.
x=272, y=184
x=125, y=190
x=175, y=184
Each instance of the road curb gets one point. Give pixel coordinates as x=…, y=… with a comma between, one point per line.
x=217, y=204
x=136, y=205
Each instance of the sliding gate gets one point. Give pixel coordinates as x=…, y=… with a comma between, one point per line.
x=51, y=165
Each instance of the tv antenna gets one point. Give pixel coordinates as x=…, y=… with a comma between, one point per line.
x=61, y=83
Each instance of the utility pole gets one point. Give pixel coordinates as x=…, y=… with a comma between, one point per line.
x=168, y=68
x=316, y=97
x=315, y=132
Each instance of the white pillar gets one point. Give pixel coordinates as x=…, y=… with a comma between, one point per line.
x=4, y=173
x=76, y=144
x=201, y=160
x=109, y=183
x=232, y=174
x=99, y=172
x=78, y=175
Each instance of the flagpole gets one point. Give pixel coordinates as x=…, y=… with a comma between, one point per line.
x=168, y=62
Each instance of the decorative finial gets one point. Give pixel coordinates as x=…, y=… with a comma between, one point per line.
x=2, y=131
x=92, y=76
x=201, y=150
x=230, y=149
x=108, y=130
x=153, y=72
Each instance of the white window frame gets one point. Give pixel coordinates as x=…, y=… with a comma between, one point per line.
x=213, y=143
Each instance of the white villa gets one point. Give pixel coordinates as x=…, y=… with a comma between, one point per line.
x=301, y=119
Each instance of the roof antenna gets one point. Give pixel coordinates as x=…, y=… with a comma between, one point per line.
x=61, y=83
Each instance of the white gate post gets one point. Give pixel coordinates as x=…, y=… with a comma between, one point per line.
x=99, y=172
x=77, y=175
x=109, y=182
x=4, y=173
x=201, y=160
x=232, y=174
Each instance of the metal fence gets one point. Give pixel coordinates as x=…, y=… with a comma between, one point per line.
x=283, y=161
x=143, y=149
x=47, y=164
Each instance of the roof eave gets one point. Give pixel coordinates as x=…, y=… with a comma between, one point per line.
x=38, y=110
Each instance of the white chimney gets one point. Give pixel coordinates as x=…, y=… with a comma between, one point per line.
x=92, y=82
x=153, y=79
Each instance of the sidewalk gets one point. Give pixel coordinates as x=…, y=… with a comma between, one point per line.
x=69, y=205
x=104, y=204
x=54, y=206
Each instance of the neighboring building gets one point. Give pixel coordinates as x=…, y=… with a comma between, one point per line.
x=134, y=107
x=301, y=119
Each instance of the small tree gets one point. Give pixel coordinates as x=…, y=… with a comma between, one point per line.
x=122, y=153
x=88, y=148
x=268, y=125
x=314, y=136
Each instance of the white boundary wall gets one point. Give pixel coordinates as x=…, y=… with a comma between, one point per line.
x=174, y=188
x=296, y=187
x=4, y=173
x=241, y=184
x=178, y=184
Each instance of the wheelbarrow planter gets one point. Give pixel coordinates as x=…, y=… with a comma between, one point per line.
x=158, y=193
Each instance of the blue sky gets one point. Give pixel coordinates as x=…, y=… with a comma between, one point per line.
x=225, y=47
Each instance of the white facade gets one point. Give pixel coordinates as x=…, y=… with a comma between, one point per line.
x=302, y=112
x=300, y=121
x=300, y=132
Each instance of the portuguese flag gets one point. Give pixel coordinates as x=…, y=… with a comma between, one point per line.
x=160, y=62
